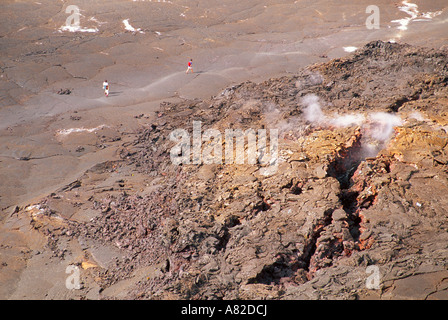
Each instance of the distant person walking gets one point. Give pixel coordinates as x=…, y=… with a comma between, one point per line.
x=190, y=66
x=106, y=88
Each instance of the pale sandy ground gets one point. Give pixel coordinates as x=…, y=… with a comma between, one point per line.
x=229, y=41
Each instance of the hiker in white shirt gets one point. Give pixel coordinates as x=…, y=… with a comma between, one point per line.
x=106, y=88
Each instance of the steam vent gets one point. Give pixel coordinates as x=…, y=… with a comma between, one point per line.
x=354, y=205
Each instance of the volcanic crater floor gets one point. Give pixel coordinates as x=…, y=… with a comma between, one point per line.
x=354, y=206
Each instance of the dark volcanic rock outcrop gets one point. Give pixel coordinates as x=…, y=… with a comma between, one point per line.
x=361, y=182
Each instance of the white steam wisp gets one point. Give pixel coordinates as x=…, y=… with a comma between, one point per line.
x=377, y=127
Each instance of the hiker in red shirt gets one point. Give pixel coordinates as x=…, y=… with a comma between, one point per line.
x=190, y=66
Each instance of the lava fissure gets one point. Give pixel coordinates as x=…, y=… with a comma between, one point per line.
x=311, y=246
